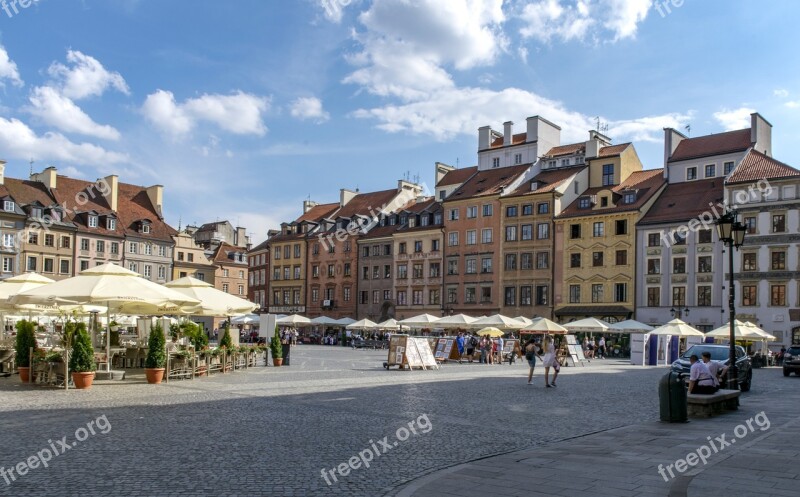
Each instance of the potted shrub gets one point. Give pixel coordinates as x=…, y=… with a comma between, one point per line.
x=156, y=356
x=26, y=339
x=81, y=360
x=276, y=348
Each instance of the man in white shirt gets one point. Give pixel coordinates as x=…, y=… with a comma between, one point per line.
x=715, y=368
x=500, y=344
x=700, y=379
x=601, y=347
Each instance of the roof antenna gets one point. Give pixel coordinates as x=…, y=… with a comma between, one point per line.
x=31, y=163
x=180, y=222
x=688, y=129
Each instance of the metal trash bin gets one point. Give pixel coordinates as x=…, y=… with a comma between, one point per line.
x=672, y=398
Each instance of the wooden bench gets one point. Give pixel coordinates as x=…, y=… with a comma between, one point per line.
x=705, y=406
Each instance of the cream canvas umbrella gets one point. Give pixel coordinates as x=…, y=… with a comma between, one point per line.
x=364, y=324
x=325, y=321
x=246, y=319
x=456, y=321
x=677, y=328
x=499, y=321
x=421, y=321
x=490, y=331
x=629, y=326
x=589, y=325
x=15, y=285
x=345, y=321
x=741, y=331
x=213, y=302
x=389, y=324
x=525, y=321
x=544, y=325
x=293, y=320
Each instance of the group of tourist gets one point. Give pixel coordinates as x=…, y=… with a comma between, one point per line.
x=704, y=377
x=489, y=350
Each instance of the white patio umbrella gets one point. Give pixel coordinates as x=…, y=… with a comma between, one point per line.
x=345, y=321
x=389, y=324
x=629, y=326
x=324, y=321
x=525, y=321
x=677, y=328
x=246, y=319
x=15, y=285
x=741, y=331
x=293, y=320
x=456, y=321
x=761, y=333
x=364, y=324
x=588, y=325
x=421, y=321
x=500, y=321
x=213, y=302
x=544, y=325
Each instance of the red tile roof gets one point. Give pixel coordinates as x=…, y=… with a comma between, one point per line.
x=458, y=176
x=566, y=149
x=547, y=181
x=489, y=182
x=706, y=146
x=757, y=166
x=646, y=183
x=367, y=204
x=318, y=212
x=26, y=192
x=515, y=140
x=69, y=189
x=134, y=205
x=612, y=150
x=221, y=255
x=681, y=202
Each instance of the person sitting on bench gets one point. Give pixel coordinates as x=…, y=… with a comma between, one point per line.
x=700, y=379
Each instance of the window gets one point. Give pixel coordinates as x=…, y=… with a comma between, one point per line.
x=653, y=266
x=542, y=293
x=622, y=257
x=525, y=295
x=331, y=270
x=471, y=266
x=597, y=293
x=452, y=295
x=93, y=221
x=608, y=174
x=604, y=201
x=542, y=260
x=704, y=236
x=84, y=265
x=653, y=239
x=435, y=269
x=727, y=168
x=287, y=251
x=511, y=262
x=190, y=257
x=452, y=267
x=749, y=295
x=598, y=229
x=387, y=271
x=49, y=240
x=285, y=299
x=101, y=246
x=452, y=238
x=417, y=247
x=402, y=248
x=704, y=264
x=435, y=245
x=778, y=223
x=750, y=261
x=510, y=296
x=679, y=296
x=287, y=273
x=711, y=170
x=454, y=214
x=133, y=247
x=148, y=271
x=8, y=264
x=495, y=162
x=148, y=249
x=488, y=210
x=111, y=224
x=574, y=294
x=33, y=238
x=297, y=250
x=750, y=223
x=778, y=260
x=416, y=297
x=31, y=266
x=315, y=271
x=575, y=231
x=48, y=265
x=469, y=295
x=527, y=209
x=402, y=297
x=584, y=203
x=402, y=271
x=472, y=212
x=543, y=208
x=653, y=297
x=486, y=265
x=511, y=233
x=8, y=240
x=778, y=295
x=679, y=265
x=387, y=295
x=486, y=294
x=575, y=260
x=542, y=231
x=297, y=271
x=511, y=211
x=9, y=206
x=162, y=272
x=629, y=198
x=621, y=226
x=276, y=274
x=418, y=271
x=517, y=159
x=691, y=173
x=145, y=228
x=704, y=296
x=527, y=232
x=486, y=235
x=597, y=259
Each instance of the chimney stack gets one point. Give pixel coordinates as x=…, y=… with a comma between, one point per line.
x=484, y=137
x=508, y=133
x=240, y=237
x=761, y=134
x=112, y=192
x=47, y=177
x=156, y=195
x=2, y=172
x=672, y=138
x=308, y=205
x=441, y=171
x=345, y=196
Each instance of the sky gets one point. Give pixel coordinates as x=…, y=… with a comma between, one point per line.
x=243, y=109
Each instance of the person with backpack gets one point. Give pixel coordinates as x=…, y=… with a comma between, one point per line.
x=472, y=343
x=531, y=353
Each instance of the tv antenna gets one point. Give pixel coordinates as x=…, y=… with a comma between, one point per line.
x=601, y=126
x=31, y=164
x=688, y=129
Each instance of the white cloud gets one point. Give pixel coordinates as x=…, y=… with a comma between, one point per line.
x=8, y=69
x=19, y=141
x=793, y=104
x=239, y=113
x=309, y=108
x=85, y=77
x=334, y=9
x=734, y=119
x=565, y=20
x=61, y=112
x=780, y=93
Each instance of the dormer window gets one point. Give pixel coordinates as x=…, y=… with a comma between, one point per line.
x=584, y=203
x=36, y=212
x=145, y=228
x=55, y=214
x=534, y=186
x=9, y=206
x=629, y=198
x=111, y=224
x=92, y=221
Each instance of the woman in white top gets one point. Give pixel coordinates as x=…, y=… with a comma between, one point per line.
x=550, y=361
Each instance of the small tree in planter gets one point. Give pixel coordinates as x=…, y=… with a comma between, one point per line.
x=276, y=348
x=26, y=339
x=81, y=361
x=226, y=340
x=156, y=356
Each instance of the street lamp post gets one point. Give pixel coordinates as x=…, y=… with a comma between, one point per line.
x=731, y=232
x=679, y=313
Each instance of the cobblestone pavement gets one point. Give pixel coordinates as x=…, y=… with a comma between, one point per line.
x=271, y=431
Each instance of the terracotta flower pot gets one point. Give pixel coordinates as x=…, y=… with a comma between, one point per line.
x=83, y=381
x=24, y=374
x=277, y=361
x=154, y=375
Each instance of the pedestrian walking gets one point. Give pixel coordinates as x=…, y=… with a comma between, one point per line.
x=460, y=345
x=601, y=347
x=499, y=356
x=531, y=353
x=550, y=361
x=472, y=342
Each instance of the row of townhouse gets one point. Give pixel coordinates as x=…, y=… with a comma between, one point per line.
x=566, y=231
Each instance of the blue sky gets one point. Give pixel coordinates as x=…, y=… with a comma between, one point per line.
x=242, y=109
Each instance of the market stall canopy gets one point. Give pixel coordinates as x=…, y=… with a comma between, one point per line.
x=629, y=326
x=421, y=321
x=456, y=321
x=213, y=302
x=525, y=321
x=246, y=319
x=345, y=321
x=544, y=325
x=499, y=321
x=389, y=324
x=761, y=333
x=364, y=324
x=741, y=331
x=490, y=331
x=293, y=320
x=325, y=321
x=677, y=328
x=588, y=325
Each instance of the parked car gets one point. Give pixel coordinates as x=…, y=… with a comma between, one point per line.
x=791, y=361
x=721, y=354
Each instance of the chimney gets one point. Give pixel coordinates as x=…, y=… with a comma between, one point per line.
x=671, y=140
x=46, y=177
x=112, y=195
x=240, y=237
x=484, y=137
x=403, y=185
x=156, y=195
x=308, y=205
x=543, y=132
x=2, y=172
x=442, y=170
x=346, y=196
x=596, y=142
x=508, y=133
x=761, y=134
